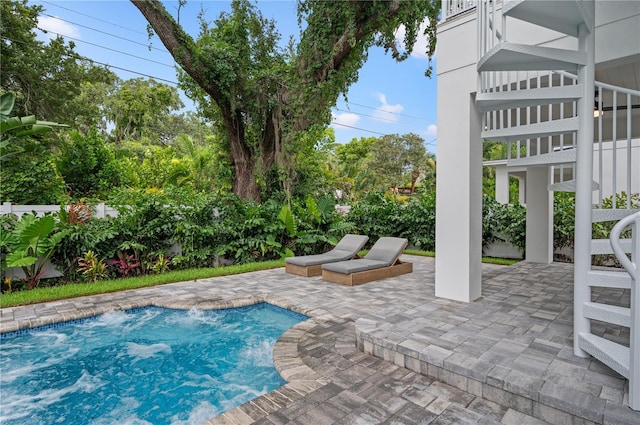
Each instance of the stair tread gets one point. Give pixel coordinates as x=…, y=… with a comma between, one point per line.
x=608, y=313
x=492, y=101
x=614, y=355
x=531, y=131
x=564, y=16
x=553, y=158
x=609, y=279
x=569, y=186
x=611, y=214
x=603, y=246
x=508, y=56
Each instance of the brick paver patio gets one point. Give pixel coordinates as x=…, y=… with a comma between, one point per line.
x=390, y=352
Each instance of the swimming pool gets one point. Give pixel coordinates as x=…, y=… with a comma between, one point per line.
x=144, y=366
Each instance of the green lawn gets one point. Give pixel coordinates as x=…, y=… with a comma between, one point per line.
x=72, y=290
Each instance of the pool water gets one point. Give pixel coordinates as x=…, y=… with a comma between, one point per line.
x=145, y=366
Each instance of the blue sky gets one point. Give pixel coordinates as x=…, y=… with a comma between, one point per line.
x=388, y=98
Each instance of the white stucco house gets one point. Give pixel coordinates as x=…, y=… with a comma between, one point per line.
x=559, y=81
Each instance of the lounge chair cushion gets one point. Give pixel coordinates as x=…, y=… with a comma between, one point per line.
x=351, y=243
x=346, y=249
x=354, y=266
x=386, y=250
x=384, y=253
x=327, y=257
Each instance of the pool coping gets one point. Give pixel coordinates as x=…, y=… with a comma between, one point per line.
x=300, y=379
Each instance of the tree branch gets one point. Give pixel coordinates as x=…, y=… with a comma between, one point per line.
x=178, y=43
x=343, y=46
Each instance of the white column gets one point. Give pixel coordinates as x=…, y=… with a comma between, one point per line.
x=539, y=243
x=522, y=190
x=502, y=184
x=459, y=197
x=584, y=177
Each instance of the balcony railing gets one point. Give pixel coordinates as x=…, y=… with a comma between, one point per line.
x=451, y=8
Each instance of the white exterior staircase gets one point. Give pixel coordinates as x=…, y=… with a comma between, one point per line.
x=540, y=101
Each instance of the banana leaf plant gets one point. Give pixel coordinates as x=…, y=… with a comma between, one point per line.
x=13, y=129
x=29, y=245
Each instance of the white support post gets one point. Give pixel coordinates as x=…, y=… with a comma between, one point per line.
x=459, y=200
x=502, y=184
x=539, y=241
x=522, y=191
x=584, y=178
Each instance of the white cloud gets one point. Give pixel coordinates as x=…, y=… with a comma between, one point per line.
x=432, y=130
x=420, y=46
x=386, y=112
x=345, y=119
x=58, y=26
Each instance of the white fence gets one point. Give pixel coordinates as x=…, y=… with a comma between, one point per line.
x=99, y=210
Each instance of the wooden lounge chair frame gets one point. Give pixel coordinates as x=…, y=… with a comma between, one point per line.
x=306, y=271
x=358, y=278
x=350, y=245
x=385, y=250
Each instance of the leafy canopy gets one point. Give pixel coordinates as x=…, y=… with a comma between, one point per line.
x=264, y=97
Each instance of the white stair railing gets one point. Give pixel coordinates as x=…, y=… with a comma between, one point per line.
x=616, y=155
x=632, y=266
x=545, y=118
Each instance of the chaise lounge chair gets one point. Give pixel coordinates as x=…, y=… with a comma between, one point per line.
x=380, y=262
x=311, y=265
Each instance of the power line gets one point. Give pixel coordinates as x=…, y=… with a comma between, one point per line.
x=171, y=82
x=93, y=17
x=358, y=128
x=431, y=142
x=106, y=33
x=106, y=48
x=388, y=112
x=77, y=56
x=365, y=115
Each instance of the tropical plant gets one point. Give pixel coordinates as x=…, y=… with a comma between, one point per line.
x=145, y=223
x=88, y=165
x=79, y=212
x=34, y=178
x=377, y=214
x=160, y=264
x=503, y=223
x=92, y=267
x=14, y=128
x=125, y=264
x=30, y=244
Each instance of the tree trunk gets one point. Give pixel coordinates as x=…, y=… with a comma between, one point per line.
x=182, y=48
x=244, y=162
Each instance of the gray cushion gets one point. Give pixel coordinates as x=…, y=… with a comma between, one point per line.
x=346, y=249
x=353, y=243
x=386, y=250
x=327, y=257
x=383, y=253
x=353, y=266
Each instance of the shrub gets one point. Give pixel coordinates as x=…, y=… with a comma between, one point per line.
x=503, y=222
x=377, y=214
x=419, y=221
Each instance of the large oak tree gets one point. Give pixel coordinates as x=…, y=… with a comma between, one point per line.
x=267, y=99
